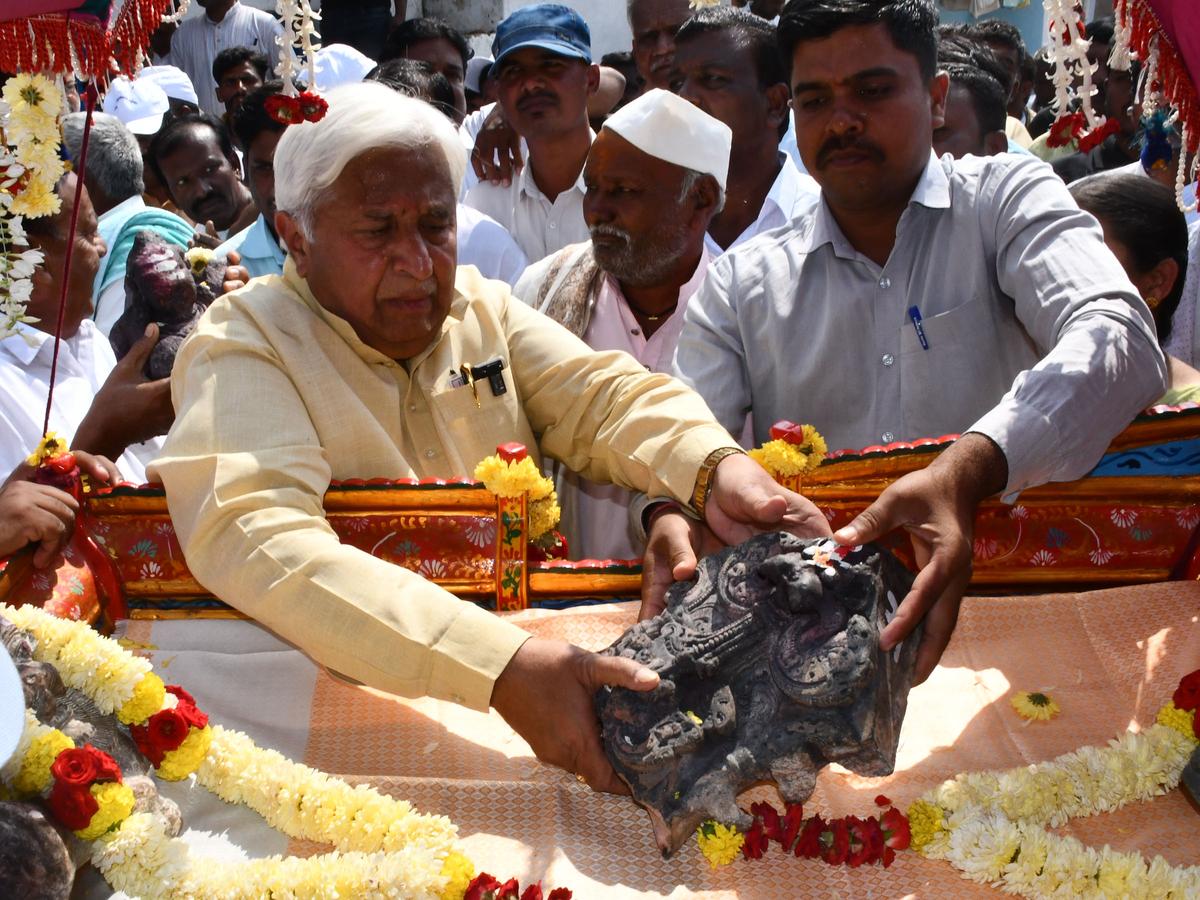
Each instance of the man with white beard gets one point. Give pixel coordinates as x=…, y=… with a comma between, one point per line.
x=655, y=177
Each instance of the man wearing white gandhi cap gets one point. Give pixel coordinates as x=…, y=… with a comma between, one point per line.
x=655, y=177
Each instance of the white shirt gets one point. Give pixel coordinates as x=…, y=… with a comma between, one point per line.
x=84, y=362
x=198, y=40
x=485, y=244
x=596, y=516
x=792, y=194
x=538, y=225
x=1034, y=335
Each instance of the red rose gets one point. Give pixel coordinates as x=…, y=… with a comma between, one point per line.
x=481, y=886
x=187, y=706
x=73, y=806
x=1187, y=695
x=793, y=818
x=755, y=841
x=533, y=892
x=896, y=831
x=164, y=731
x=860, y=842
x=769, y=816
x=889, y=856
x=787, y=431
x=74, y=768
x=107, y=768
x=509, y=890
x=560, y=894
x=284, y=109
x=312, y=107
x=809, y=844
x=836, y=842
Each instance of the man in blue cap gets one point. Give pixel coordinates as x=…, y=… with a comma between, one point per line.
x=544, y=75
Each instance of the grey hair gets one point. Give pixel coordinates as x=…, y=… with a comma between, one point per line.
x=114, y=158
x=362, y=116
x=691, y=177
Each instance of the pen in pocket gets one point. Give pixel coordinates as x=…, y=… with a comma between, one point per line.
x=914, y=313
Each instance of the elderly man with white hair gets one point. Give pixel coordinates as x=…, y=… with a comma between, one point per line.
x=338, y=369
x=655, y=178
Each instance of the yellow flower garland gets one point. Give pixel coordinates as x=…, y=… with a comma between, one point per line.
x=385, y=847
x=185, y=759
x=783, y=459
x=28, y=772
x=116, y=804
x=992, y=825
x=512, y=479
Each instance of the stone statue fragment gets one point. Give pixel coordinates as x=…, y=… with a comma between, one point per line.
x=771, y=669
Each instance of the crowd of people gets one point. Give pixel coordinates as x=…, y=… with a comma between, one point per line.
x=829, y=211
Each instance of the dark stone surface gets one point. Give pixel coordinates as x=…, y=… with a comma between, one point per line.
x=160, y=288
x=771, y=669
x=35, y=863
x=1191, y=780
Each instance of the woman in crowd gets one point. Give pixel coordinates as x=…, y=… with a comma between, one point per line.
x=1146, y=231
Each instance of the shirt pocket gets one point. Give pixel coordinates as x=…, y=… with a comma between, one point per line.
x=945, y=389
x=473, y=430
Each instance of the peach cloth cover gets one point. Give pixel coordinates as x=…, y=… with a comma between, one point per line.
x=1110, y=658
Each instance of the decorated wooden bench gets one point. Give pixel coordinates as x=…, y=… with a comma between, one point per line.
x=1133, y=519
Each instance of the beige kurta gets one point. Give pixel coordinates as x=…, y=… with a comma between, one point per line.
x=275, y=396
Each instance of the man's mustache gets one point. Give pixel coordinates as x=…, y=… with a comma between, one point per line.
x=537, y=95
x=611, y=231
x=838, y=145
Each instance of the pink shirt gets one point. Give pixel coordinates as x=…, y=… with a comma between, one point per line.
x=599, y=512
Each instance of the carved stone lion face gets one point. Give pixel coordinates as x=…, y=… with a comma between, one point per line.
x=770, y=669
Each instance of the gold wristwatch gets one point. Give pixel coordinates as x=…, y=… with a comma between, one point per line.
x=704, y=477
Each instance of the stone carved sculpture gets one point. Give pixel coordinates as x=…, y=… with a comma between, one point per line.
x=770, y=668
x=162, y=287
x=41, y=856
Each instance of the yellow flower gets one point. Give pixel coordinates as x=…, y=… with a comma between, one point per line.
x=49, y=447
x=505, y=479
x=543, y=515
x=925, y=822
x=786, y=460
x=36, y=200
x=719, y=843
x=34, y=776
x=116, y=805
x=1034, y=705
x=147, y=699
x=29, y=92
x=1182, y=720
x=458, y=871
x=185, y=759
x=198, y=258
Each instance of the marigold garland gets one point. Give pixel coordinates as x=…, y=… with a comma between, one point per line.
x=992, y=825
x=511, y=473
x=792, y=451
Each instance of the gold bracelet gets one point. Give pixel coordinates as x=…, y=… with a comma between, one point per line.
x=704, y=477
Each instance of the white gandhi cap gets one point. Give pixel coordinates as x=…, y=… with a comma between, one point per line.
x=667, y=127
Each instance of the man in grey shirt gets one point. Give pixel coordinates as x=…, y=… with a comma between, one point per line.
x=921, y=297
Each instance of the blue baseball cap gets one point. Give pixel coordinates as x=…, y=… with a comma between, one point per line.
x=550, y=26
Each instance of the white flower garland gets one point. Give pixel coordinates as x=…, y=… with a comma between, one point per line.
x=299, y=28
x=992, y=825
x=387, y=849
x=29, y=169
